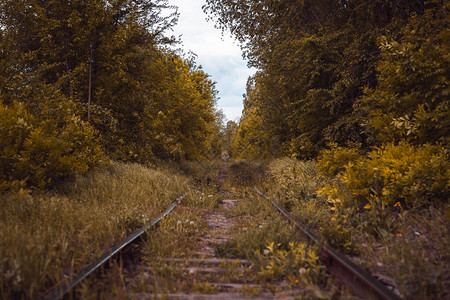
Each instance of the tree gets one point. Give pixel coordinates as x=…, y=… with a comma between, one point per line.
x=315, y=58
x=183, y=111
x=118, y=49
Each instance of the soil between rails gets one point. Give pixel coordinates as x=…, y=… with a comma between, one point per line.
x=219, y=225
x=219, y=229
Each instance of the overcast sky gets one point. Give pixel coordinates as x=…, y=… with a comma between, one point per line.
x=219, y=55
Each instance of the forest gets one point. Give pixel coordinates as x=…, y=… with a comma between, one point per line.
x=354, y=93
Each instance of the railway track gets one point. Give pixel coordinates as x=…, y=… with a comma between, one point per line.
x=206, y=275
x=67, y=290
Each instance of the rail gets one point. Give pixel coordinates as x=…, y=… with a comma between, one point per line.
x=62, y=291
x=362, y=283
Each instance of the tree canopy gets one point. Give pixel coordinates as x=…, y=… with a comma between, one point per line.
x=111, y=66
x=316, y=59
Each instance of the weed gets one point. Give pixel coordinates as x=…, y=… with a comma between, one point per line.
x=204, y=288
x=255, y=238
x=297, y=261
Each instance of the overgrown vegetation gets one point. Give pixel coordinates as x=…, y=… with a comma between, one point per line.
x=177, y=236
x=401, y=175
x=84, y=87
x=400, y=237
x=46, y=239
x=276, y=249
x=38, y=152
x=362, y=87
x=81, y=82
x=365, y=72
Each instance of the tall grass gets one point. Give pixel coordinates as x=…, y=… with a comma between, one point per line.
x=47, y=238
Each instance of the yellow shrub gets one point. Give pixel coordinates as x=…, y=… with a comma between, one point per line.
x=38, y=151
x=332, y=161
x=414, y=175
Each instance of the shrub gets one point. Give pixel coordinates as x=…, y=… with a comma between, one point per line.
x=332, y=161
x=39, y=150
x=412, y=175
x=298, y=261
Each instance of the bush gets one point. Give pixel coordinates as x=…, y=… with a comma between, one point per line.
x=38, y=151
x=332, y=161
x=392, y=174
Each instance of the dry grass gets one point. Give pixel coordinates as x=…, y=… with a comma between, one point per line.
x=47, y=238
x=176, y=236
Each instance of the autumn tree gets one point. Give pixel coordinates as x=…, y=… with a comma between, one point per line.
x=182, y=115
x=107, y=65
x=315, y=58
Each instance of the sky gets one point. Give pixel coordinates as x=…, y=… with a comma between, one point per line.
x=220, y=56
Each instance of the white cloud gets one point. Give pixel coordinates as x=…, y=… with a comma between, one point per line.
x=233, y=113
x=219, y=55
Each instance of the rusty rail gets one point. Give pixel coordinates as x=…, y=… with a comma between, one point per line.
x=64, y=290
x=361, y=282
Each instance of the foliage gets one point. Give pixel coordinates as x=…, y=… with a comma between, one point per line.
x=410, y=175
x=41, y=151
x=298, y=261
x=296, y=181
x=411, y=100
x=332, y=161
x=294, y=184
x=110, y=61
x=183, y=117
x=251, y=242
x=252, y=138
x=229, y=135
x=316, y=57
x=406, y=245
